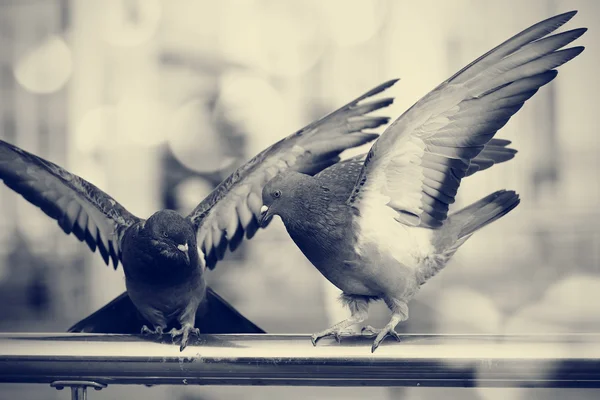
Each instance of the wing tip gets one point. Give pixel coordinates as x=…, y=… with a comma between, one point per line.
x=573, y=51
x=385, y=102
x=499, y=142
x=577, y=32
x=382, y=87
x=553, y=73
x=376, y=122
x=390, y=83
x=365, y=137
x=559, y=19
x=567, y=15
x=567, y=55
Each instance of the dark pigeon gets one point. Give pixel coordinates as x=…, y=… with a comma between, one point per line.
x=379, y=229
x=164, y=257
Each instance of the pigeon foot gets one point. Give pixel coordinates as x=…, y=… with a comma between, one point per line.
x=147, y=331
x=381, y=334
x=184, y=332
x=335, y=332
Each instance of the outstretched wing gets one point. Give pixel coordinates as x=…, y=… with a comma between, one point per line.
x=340, y=178
x=233, y=208
x=78, y=206
x=417, y=164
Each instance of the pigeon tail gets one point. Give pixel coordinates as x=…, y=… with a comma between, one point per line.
x=215, y=315
x=484, y=212
x=461, y=224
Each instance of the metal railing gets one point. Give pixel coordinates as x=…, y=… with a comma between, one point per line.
x=93, y=360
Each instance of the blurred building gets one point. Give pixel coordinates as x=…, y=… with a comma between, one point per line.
x=157, y=101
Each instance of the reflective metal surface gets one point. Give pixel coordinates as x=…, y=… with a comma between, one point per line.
x=419, y=360
x=78, y=388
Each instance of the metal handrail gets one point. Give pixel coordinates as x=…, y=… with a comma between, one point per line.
x=418, y=360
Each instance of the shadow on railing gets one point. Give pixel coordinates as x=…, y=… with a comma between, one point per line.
x=94, y=360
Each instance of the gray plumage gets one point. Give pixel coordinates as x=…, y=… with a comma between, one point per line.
x=379, y=229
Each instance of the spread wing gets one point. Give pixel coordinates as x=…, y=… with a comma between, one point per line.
x=340, y=178
x=232, y=209
x=78, y=206
x=417, y=164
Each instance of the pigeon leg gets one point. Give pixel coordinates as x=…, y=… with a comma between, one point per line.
x=399, y=314
x=187, y=319
x=358, y=313
x=184, y=332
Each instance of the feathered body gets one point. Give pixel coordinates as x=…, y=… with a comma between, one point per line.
x=323, y=225
x=380, y=228
x=367, y=252
x=163, y=269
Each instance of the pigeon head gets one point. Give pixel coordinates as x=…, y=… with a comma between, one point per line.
x=172, y=235
x=286, y=192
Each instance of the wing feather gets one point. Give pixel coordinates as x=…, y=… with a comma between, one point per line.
x=234, y=205
x=78, y=206
x=417, y=164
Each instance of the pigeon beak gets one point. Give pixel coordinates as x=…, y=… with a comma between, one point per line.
x=265, y=216
x=185, y=250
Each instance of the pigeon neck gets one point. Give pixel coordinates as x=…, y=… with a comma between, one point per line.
x=307, y=202
x=318, y=225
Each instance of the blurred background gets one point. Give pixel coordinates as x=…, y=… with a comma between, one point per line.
x=157, y=101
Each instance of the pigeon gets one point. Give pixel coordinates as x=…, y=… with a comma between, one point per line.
x=378, y=227
x=164, y=257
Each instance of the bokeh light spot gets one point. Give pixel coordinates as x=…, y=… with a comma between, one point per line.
x=194, y=140
x=45, y=68
x=141, y=119
x=94, y=130
x=255, y=106
x=191, y=191
x=280, y=38
x=350, y=26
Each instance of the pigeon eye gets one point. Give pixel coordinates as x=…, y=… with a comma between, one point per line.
x=277, y=194
x=165, y=234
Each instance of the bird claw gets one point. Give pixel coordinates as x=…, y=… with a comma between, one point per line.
x=383, y=333
x=337, y=335
x=147, y=331
x=184, y=332
x=369, y=331
x=315, y=338
x=318, y=336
